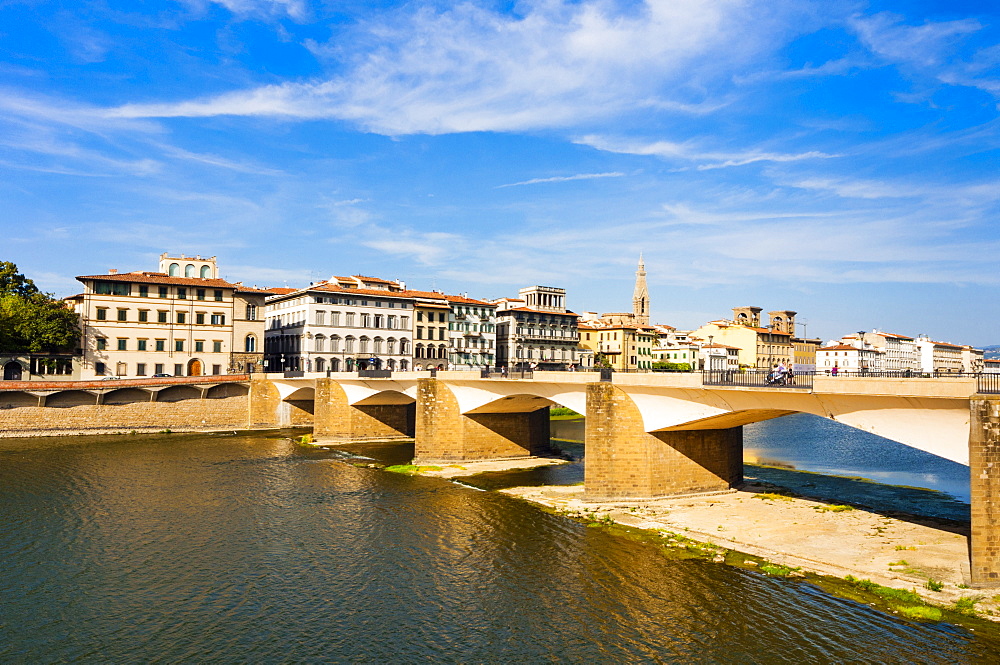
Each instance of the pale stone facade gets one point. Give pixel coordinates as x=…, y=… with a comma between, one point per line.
x=472, y=329
x=536, y=330
x=146, y=323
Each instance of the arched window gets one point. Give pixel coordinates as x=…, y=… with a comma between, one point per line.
x=390, y=364
x=377, y=346
x=205, y=272
x=335, y=364
x=390, y=346
x=320, y=365
x=250, y=344
x=363, y=345
x=174, y=270
x=349, y=346
x=189, y=270
x=404, y=365
x=335, y=343
x=404, y=346
x=419, y=351
x=442, y=351
x=319, y=343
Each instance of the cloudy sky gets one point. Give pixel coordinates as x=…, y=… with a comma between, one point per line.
x=835, y=158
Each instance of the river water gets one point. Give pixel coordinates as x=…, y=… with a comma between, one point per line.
x=193, y=548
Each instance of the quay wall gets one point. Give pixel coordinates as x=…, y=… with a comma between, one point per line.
x=188, y=415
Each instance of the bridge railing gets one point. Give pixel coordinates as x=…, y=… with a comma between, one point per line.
x=755, y=379
x=374, y=373
x=988, y=384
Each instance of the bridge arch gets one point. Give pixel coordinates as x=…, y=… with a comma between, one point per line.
x=17, y=398
x=178, y=394
x=67, y=398
x=127, y=396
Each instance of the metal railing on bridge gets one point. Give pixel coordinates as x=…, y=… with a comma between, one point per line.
x=374, y=373
x=755, y=379
x=507, y=374
x=988, y=384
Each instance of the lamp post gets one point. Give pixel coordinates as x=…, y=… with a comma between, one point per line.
x=711, y=358
x=861, y=348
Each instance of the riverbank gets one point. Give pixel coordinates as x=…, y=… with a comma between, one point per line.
x=926, y=556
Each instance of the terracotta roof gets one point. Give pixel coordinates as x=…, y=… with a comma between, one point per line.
x=538, y=311
x=885, y=334
x=768, y=330
x=839, y=347
x=282, y=290
x=470, y=301
x=159, y=278
x=954, y=346
x=720, y=346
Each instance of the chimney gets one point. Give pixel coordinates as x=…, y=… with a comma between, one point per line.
x=112, y=271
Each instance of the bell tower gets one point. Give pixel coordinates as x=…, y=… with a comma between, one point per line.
x=747, y=316
x=640, y=298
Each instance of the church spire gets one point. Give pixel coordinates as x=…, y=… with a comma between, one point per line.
x=640, y=298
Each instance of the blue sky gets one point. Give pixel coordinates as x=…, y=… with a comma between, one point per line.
x=835, y=158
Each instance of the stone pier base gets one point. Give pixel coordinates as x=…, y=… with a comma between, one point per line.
x=335, y=418
x=984, y=472
x=625, y=462
x=445, y=434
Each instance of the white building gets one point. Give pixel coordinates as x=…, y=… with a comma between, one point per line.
x=342, y=324
x=900, y=350
x=848, y=358
x=536, y=330
x=938, y=356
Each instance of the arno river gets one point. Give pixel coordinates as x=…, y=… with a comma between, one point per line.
x=251, y=549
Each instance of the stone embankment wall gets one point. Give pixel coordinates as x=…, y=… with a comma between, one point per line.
x=110, y=407
x=190, y=415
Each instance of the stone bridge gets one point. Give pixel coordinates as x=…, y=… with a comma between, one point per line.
x=647, y=435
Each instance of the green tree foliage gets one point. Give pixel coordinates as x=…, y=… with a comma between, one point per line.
x=32, y=321
x=676, y=367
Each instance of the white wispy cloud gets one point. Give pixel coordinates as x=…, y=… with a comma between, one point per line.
x=691, y=153
x=566, y=178
x=556, y=64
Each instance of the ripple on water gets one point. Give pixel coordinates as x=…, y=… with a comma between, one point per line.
x=189, y=548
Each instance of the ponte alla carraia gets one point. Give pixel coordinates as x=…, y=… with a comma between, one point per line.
x=648, y=435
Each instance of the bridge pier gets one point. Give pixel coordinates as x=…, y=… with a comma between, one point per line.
x=626, y=462
x=445, y=434
x=984, y=475
x=267, y=409
x=335, y=418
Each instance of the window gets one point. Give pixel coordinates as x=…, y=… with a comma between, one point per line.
x=420, y=316
x=334, y=318
x=102, y=344
x=320, y=318
x=217, y=346
x=189, y=270
x=182, y=293
x=178, y=345
x=140, y=369
x=112, y=288
x=140, y=345
x=218, y=319
x=250, y=344
x=349, y=345
x=99, y=369
x=391, y=321
x=102, y=314
x=199, y=294
x=178, y=370
x=161, y=345
x=143, y=315
x=122, y=344
x=218, y=295
x=161, y=317
x=163, y=291
x=365, y=321
x=420, y=330
x=216, y=369
x=158, y=368
x=335, y=344
x=252, y=313
x=199, y=318
x=205, y=274
x=181, y=317
x=378, y=320
x=319, y=343
x=363, y=345
x=199, y=346
x=143, y=291
x=174, y=270
x=404, y=322
x=350, y=318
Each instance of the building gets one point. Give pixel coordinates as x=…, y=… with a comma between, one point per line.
x=972, y=360
x=341, y=324
x=182, y=320
x=900, y=351
x=640, y=296
x=758, y=347
x=536, y=330
x=473, y=336
x=620, y=346
x=431, y=336
x=938, y=356
x=804, y=350
x=848, y=358
x=715, y=357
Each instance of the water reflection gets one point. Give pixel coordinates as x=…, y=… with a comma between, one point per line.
x=251, y=549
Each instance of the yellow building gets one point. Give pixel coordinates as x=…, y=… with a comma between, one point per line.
x=758, y=347
x=622, y=347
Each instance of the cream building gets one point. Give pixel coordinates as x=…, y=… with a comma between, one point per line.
x=536, y=330
x=341, y=324
x=181, y=321
x=472, y=328
x=759, y=347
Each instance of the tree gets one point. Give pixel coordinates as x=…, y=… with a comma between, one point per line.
x=32, y=321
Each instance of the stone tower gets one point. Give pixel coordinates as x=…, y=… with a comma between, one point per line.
x=747, y=316
x=640, y=298
x=783, y=321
